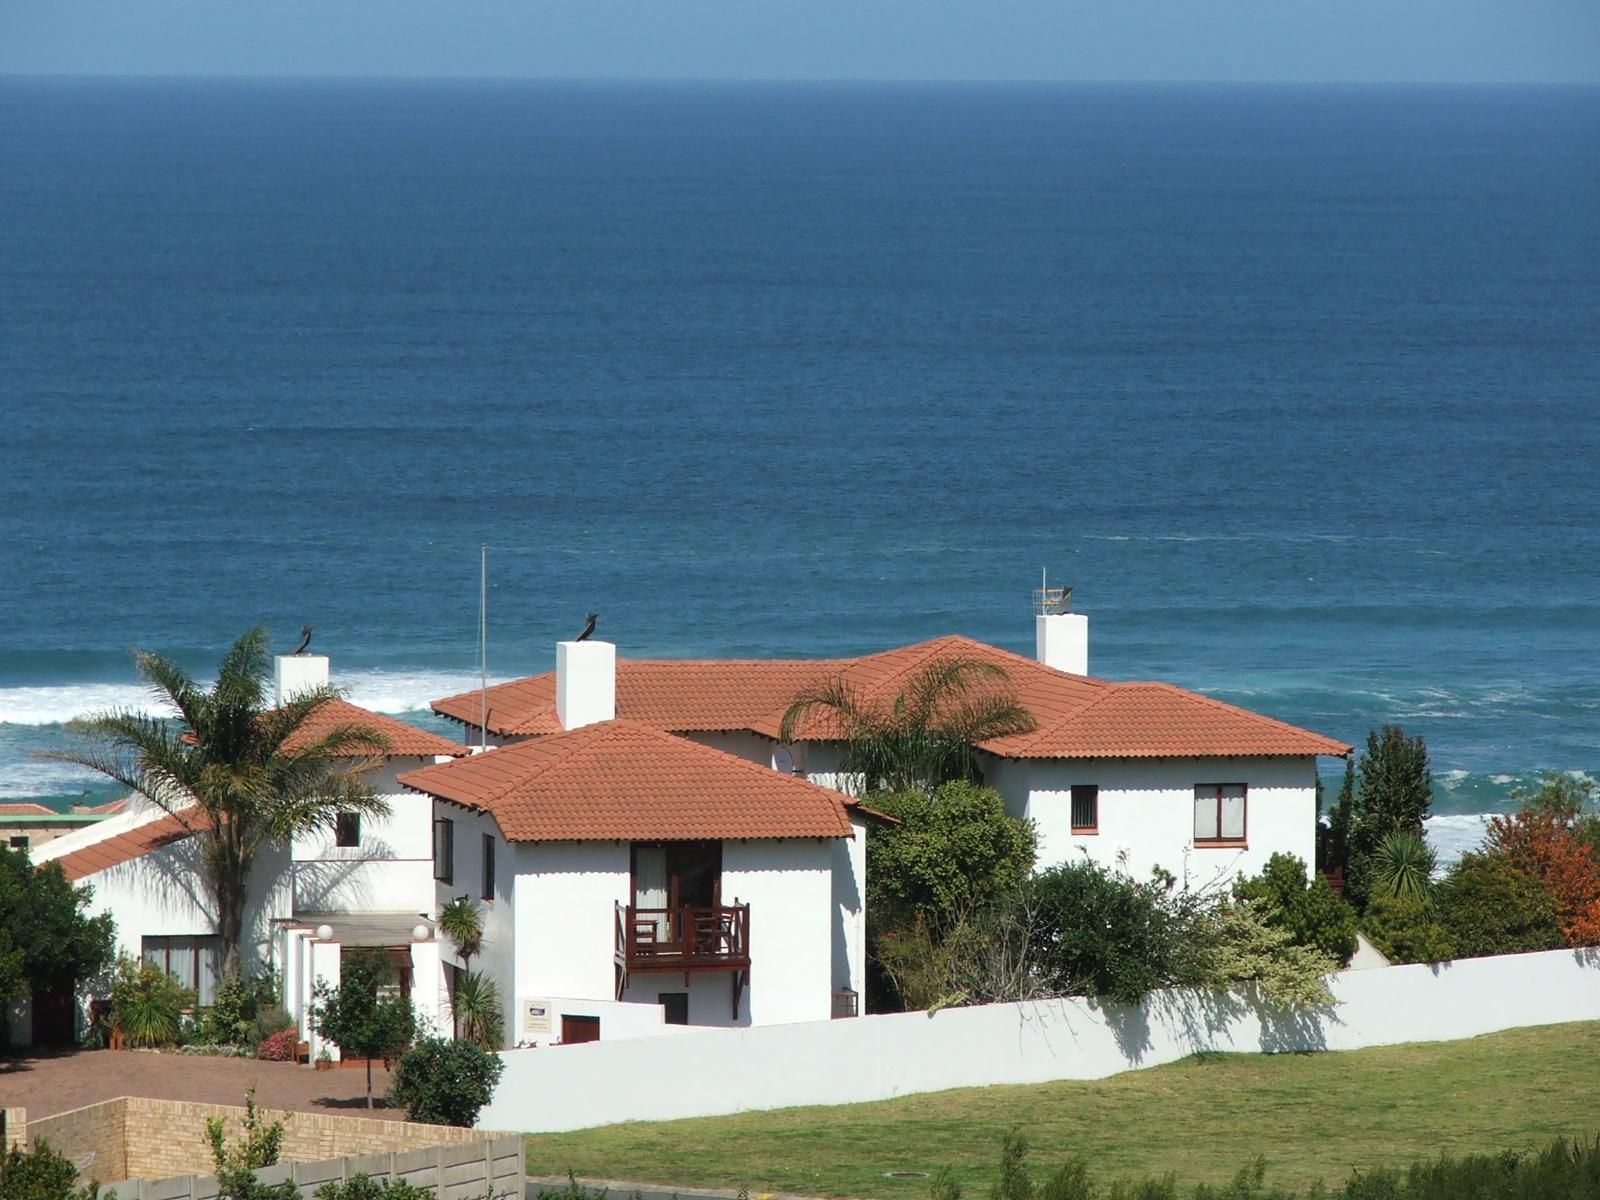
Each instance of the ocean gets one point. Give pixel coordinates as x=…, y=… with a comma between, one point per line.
x=1297, y=386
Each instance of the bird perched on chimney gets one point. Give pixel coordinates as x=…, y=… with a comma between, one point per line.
x=305, y=639
x=588, y=628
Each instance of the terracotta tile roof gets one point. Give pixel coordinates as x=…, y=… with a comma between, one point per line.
x=109, y=808
x=620, y=780
x=123, y=847
x=405, y=741
x=678, y=695
x=27, y=810
x=1078, y=716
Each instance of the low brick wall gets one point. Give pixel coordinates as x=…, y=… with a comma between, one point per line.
x=94, y=1137
x=136, y=1138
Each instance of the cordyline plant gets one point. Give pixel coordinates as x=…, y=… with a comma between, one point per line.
x=927, y=735
x=236, y=773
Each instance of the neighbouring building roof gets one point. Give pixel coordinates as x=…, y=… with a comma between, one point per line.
x=622, y=780
x=1078, y=716
x=27, y=810
x=123, y=847
x=109, y=809
x=405, y=741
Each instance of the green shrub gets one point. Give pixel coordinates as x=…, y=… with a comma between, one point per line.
x=258, y=1146
x=1492, y=907
x=1310, y=910
x=1403, y=865
x=476, y=1008
x=232, y=1018
x=147, y=1004
x=950, y=853
x=39, y=1173
x=1407, y=930
x=364, y=1187
x=1102, y=933
x=445, y=1083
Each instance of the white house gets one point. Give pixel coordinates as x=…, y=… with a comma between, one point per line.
x=630, y=881
x=634, y=880
x=1131, y=775
x=371, y=878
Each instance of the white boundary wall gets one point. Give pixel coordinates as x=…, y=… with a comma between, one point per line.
x=715, y=1072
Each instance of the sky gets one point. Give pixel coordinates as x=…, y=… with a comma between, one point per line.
x=1469, y=41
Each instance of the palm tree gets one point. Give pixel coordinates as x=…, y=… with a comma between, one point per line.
x=926, y=735
x=462, y=922
x=1403, y=866
x=237, y=774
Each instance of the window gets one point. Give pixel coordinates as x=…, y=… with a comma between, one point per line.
x=676, y=1005
x=1085, y=808
x=195, y=962
x=347, y=830
x=19, y=841
x=488, y=866
x=1219, y=812
x=444, y=850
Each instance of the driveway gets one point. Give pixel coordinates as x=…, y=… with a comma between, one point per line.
x=54, y=1083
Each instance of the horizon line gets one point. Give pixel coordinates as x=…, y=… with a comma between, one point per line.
x=730, y=80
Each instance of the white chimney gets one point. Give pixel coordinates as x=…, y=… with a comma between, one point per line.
x=295, y=674
x=1061, y=640
x=586, y=683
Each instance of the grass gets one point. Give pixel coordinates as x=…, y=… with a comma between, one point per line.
x=1314, y=1116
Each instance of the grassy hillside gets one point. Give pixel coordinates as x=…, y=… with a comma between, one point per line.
x=1312, y=1115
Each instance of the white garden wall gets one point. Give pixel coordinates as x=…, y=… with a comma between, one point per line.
x=712, y=1072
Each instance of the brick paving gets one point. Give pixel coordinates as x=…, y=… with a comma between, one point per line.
x=54, y=1083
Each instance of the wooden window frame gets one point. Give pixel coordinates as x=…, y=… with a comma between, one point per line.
x=199, y=942
x=674, y=898
x=444, y=871
x=487, y=890
x=344, y=825
x=1094, y=807
x=1220, y=842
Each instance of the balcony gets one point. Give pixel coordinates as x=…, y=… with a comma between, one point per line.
x=684, y=939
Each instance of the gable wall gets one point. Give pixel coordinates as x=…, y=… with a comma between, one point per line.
x=1146, y=811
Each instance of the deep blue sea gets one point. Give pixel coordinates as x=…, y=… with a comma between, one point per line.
x=1298, y=386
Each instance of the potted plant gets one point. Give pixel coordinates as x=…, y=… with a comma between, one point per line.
x=324, y=1060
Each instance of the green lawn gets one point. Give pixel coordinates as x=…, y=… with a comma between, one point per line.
x=1312, y=1115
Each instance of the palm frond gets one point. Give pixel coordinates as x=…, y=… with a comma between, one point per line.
x=242, y=675
x=171, y=686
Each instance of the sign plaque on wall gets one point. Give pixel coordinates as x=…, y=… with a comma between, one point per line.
x=536, y=1016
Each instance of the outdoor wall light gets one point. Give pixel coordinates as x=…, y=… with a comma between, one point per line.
x=421, y=932
x=325, y=933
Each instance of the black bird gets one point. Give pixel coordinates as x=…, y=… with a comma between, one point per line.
x=588, y=628
x=305, y=639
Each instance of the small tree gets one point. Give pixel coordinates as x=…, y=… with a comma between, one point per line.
x=1407, y=930
x=949, y=853
x=1492, y=907
x=445, y=1083
x=1544, y=843
x=47, y=938
x=357, y=1017
x=1394, y=793
x=237, y=1165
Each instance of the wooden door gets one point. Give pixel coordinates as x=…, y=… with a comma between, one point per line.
x=579, y=1029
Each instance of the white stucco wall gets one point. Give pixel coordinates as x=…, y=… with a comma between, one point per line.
x=392, y=868
x=788, y=885
x=714, y=1072
x=1146, y=811
x=161, y=894
x=564, y=913
x=497, y=957
x=848, y=867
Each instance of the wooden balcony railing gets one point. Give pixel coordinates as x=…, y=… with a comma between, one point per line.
x=684, y=939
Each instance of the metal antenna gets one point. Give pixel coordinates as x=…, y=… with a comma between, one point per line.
x=483, y=646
